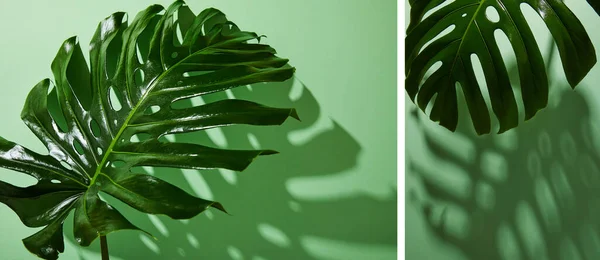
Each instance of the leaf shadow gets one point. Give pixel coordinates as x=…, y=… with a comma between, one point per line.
x=267, y=221
x=530, y=193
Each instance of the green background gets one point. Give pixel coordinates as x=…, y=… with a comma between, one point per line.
x=330, y=194
x=530, y=193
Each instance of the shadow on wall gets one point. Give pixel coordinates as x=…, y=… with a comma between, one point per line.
x=530, y=193
x=267, y=221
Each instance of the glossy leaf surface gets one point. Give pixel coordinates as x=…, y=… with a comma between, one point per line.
x=473, y=25
x=99, y=122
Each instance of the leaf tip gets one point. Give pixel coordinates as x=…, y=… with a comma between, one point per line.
x=268, y=152
x=220, y=207
x=294, y=114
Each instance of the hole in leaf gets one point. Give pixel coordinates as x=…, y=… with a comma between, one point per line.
x=542, y=35
x=464, y=15
x=443, y=33
x=431, y=103
x=229, y=94
x=212, y=22
x=21, y=180
x=115, y=103
x=480, y=78
x=113, y=53
x=55, y=111
x=139, y=137
x=253, y=41
x=143, y=41
x=78, y=75
x=138, y=53
x=117, y=164
x=99, y=151
x=492, y=14
x=139, y=170
x=194, y=73
x=185, y=19
x=436, y=66
x=179, y=35
x=479, y=74
x=55, y=181
x=139, y=77
x=167, y=138
x=66, y=165
x=510, y=64
x=95, y=128
x=78, y=147
x=435, y=9
x=152, y=110
x=187, y=103
x=229, y=29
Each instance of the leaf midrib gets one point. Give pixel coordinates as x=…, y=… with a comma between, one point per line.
x=462, y=39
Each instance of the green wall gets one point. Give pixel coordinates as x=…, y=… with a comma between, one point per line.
x=530, y=193
x=330, y=194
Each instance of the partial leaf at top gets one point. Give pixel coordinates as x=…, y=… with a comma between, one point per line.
x=114, y=115
x=473, y=34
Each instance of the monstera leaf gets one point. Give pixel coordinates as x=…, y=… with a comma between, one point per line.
x=473, y=34
x=114, y=117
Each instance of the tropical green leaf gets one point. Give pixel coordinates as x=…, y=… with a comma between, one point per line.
x=473, y=34
x=99, y=123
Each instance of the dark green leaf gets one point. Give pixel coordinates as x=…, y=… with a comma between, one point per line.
x=155, y=196
x=90, y=120
x=473, y=34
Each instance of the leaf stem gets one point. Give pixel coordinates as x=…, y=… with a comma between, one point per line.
x=104, y=248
